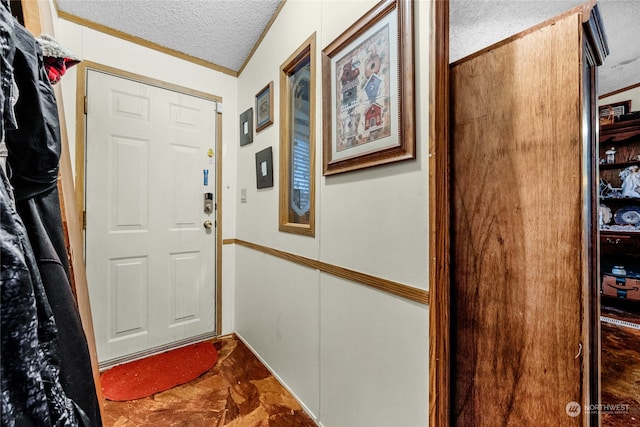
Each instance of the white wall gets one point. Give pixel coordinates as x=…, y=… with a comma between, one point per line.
x=107, y=50
x=354, y=356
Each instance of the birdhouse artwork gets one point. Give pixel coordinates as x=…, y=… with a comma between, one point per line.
x=349, y=128
x=349, y=81
x=373, y=117
x=373, y=87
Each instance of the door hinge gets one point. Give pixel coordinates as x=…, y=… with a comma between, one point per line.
x=84, y=220
x=86, y=104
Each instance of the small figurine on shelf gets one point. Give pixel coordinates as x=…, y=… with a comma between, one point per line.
x=611, y=155
x=630, y=181
x=618, y=270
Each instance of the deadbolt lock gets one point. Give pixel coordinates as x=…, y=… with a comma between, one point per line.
x=208, y=202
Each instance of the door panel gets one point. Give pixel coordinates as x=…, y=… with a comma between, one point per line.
x=520, y=233
x=128, y=298
x=150, y=261
x=130, y=162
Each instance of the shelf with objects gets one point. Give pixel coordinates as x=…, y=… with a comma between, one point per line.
x=619, y=211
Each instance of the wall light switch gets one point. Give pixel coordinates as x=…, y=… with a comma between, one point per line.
x=243, y=195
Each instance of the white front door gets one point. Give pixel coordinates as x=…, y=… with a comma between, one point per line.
x=150, y=259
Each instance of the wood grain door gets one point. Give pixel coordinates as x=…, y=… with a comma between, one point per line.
x=521, y=231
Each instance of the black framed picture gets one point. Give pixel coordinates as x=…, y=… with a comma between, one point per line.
x=264, y=168
x=246, y=127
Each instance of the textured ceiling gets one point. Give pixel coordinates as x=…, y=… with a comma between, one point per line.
x=476, y=24
x=222, y=32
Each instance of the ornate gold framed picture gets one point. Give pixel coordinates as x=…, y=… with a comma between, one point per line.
x=368, y=91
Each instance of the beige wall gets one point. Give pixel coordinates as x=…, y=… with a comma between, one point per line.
x=355, y=356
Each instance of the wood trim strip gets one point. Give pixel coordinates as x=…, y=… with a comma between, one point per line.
x=81, y=90
x=147, y=80
x=615, y=92
x=439, y=223
x=31, y=17
x=142, y=42
x=409, y=292
x=73, y=231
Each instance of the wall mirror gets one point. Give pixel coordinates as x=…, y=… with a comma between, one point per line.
x=297, y=141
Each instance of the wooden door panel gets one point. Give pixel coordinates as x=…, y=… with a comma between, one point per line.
x=518, y=238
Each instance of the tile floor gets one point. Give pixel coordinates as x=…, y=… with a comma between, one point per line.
x=240, y=392
x=237, y=392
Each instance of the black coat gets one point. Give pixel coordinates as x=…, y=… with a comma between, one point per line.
x=34, y=152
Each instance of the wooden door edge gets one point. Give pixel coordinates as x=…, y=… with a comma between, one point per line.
x=439, y=210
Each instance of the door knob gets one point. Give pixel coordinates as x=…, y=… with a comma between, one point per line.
x=208, y=224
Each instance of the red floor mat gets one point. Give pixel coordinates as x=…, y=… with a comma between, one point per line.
x=142, y=378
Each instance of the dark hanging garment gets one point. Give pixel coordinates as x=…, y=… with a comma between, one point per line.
x=32, y=394
x=34, y=147
x=34, y=152
x=76, y=374
x=7, y=48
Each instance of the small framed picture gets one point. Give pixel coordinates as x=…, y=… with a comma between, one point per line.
x=264, y=168
x=611, y=112
x=264, y=107
x=246, y=127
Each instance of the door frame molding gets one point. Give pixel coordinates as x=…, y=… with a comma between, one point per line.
x=81, y=92
x=439, y=219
